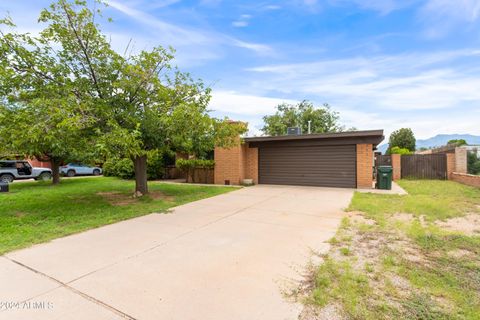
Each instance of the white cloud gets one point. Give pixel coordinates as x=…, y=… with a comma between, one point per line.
x=245, y=107
x=384, y=7
x=240, y=23
x=243, y=21
x=440, y=17
x=463, y=10
x=260, y=49
x=236, y=103
x=251, y=109
x=272, y=7
x=169, y=32
x=161, y=4
x=181, y=36
x=402, y=82
x=430, y=92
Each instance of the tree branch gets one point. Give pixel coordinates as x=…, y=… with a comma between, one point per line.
x=84, y=50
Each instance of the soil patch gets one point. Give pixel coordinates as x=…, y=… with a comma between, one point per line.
x=118, y=198
x=156, y=195
x=403, y=217
x=123, y=199
x=19, y=214
x=358, y=217
x=329, y=312
x=469, y=224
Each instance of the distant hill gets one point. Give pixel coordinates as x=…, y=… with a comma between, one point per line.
x=438, y=141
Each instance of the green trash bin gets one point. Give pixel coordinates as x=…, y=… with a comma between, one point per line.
x=384, y=177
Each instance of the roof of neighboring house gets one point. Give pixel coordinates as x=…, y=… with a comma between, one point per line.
x=367, y=136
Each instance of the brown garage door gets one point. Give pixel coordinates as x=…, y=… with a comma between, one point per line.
x=325, y=166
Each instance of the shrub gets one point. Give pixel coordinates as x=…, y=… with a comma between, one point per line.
x=398, y=150
x=122, y=168
x=188, y=166
x=155, y=165
x=473, y=163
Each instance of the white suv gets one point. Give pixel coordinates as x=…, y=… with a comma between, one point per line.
x=20, y=169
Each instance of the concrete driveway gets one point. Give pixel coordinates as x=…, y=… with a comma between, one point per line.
x=226, y=257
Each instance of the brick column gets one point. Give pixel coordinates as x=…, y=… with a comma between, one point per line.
x=235, y=164
x=461, y=160
x=364, y=166
x=450, y=165
x=251, y=169
x=228, y=165
x=397, y=166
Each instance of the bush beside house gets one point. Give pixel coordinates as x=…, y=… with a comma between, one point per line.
x=401, y=151
x=197, y=170
x=473, y=163
x=123, y=167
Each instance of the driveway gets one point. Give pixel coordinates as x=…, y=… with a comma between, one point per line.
x=226, y=257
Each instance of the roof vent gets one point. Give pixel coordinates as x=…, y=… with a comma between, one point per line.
x=291, y=131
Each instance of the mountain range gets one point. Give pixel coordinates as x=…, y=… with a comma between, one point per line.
x=438, y=141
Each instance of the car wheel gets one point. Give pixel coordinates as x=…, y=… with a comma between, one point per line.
x=70, y=173
x=44, y=176
x=6, y=178
x=96, y=172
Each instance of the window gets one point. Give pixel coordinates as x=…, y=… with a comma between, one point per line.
x=7, y=164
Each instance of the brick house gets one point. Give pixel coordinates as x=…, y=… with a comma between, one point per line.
x=343, y=159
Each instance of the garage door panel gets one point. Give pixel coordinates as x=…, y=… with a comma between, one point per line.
x=329, y=166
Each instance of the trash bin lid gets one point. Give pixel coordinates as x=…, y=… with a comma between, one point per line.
x=385, y=169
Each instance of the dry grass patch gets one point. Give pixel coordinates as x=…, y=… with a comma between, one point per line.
x=126, y=199
x=469, y=224
x=398, y=260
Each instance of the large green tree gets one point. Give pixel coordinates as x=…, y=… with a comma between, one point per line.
x=127, y=104
x=45, y=113
x=402, y=138
x=322, y=119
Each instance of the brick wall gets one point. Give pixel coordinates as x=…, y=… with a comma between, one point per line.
x=468, y=179
x=397, y=166
x=235, y=164
x=450, y=165
x=461, y=160
x=251, y=170
x=228, y=164
x=39, y=164
x=364, y=166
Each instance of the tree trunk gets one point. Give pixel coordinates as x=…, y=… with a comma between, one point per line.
x=140, y=167
x=55, y=164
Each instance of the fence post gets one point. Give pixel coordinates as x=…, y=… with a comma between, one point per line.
x=450, y=165
x=461, y=160
x=397, y=166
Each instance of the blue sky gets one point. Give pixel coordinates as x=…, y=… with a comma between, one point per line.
x=380, y=63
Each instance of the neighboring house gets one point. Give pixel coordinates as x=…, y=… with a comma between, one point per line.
x=474, y=149
x=39, y=164
x=342, y=159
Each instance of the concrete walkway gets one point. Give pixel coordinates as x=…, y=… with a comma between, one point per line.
x=226, y=257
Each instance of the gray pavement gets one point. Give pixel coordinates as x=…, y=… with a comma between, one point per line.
x=226, y=257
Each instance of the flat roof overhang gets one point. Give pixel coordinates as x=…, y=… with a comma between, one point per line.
x=373, y=137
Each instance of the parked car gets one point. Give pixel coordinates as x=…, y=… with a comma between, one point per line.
x=78, y=169
x=20, y=169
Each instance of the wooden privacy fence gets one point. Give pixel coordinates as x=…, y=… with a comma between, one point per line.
x=424, y=166
x=201, y=175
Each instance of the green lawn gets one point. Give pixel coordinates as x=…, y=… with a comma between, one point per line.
x=35, y=212
x=395, y=259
